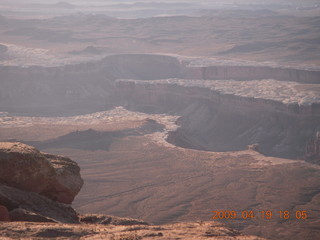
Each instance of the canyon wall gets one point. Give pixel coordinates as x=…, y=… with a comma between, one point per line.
x=252, y=73
x=213, y=121
x=61, y=90
x=209, y=120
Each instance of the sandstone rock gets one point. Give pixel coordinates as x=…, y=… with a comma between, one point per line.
x=4, y=214
x=26, y=168
x=20, y=214
x=29, y=206
x=67, y=180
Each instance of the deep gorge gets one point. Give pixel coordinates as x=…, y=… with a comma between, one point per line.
x=209, y=120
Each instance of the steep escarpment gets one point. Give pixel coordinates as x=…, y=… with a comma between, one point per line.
x=224, y=122
x=217, y=118
x=62, y=89
x=220, y=72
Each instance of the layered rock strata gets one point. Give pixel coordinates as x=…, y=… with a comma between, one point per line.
x=281, y=125
x=34, y=89
x=214, y=121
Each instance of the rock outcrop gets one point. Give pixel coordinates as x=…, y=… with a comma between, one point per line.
x=67, y=181
x=35, y=186
x=29, y=206
x=26, y=168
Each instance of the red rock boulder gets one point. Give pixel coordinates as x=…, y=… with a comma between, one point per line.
x=26, y=168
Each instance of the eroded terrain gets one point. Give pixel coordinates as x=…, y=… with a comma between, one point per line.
x=142, y=176
x=179, y=152
x=159, y=110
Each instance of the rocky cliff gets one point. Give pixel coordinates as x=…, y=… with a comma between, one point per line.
x=35, y=89
x=214, y=120
x=225, y=122
x=252, y=73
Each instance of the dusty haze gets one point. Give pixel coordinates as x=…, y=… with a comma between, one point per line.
x=172, y=109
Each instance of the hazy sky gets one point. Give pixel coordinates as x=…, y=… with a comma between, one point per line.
x=140, y=8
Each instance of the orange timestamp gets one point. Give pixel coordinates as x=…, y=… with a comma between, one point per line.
x=265, y=214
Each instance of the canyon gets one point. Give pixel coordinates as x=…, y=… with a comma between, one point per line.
x=128, y=114
x=170, y=111
x=280, y=115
